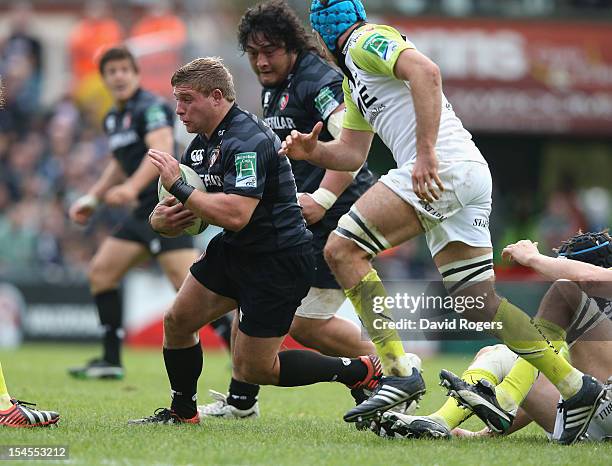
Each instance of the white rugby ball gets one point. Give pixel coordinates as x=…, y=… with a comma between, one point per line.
x=190, y=176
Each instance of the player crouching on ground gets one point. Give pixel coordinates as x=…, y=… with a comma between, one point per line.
x=261, y=263
x=574, y=315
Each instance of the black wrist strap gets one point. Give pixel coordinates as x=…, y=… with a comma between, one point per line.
x=181, y=190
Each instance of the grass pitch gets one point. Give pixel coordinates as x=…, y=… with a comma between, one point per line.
x=299, y=426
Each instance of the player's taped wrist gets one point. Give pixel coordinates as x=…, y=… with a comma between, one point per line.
x=324, y=197
x=181, y=190
x=88, y=200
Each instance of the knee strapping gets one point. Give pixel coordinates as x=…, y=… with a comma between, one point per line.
x=586, y=317
x=460, y=274
x=353, y=226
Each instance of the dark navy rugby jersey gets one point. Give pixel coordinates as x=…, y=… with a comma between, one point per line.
x=311, y=93
x=126, y=130
x=241, y=158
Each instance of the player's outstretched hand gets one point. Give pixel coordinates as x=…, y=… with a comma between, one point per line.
x=522, y=252
x=426, y=183
x=170, y=217
x=300, y=146
x=167, y=166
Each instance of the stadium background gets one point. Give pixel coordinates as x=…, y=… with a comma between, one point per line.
x=531, y=79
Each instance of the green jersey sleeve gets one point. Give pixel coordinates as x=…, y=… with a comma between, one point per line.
x=377, y=50
x=353, y=119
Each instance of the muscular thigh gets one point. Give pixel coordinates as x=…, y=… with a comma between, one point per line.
x=176, y=263
x=116, y=256
x=195, y=305
x=561, y=301
x=592, y=352
x=393, y=217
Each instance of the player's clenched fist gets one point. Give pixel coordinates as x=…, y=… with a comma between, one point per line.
x=83, y=208
x=170, y=218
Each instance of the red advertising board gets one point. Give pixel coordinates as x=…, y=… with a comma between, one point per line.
x=506, y=76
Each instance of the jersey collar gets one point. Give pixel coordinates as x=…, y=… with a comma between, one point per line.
x=217, y=134
x=342, y=50
x=130, y=102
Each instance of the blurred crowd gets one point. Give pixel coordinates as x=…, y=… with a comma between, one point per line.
x=520, y=8
x=50, y=155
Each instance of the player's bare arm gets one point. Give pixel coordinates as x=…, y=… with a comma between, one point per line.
x=334, y=183
x=84, y=207
x=229, y=211
x=348, y=153
x=127, y=192
x=594, y=280
x=426, y=89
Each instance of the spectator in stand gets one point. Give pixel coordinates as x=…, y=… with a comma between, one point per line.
x=92, y=35
x=562, y=218
x=22, y=46
x=158, y=40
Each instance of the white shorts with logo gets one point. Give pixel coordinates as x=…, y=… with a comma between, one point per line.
x=320, y=303
x=461, y=213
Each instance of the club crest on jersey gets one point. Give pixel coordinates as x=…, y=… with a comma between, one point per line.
x=127, y=120
x=246, y=170
x=284, y=100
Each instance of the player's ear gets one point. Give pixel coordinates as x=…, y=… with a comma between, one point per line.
x=217, y=94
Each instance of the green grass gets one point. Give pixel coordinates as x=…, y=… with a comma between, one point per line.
x=299, y=426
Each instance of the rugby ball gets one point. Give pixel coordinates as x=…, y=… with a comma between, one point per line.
x=190, y=176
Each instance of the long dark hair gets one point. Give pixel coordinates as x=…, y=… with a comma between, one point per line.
x=279, y=24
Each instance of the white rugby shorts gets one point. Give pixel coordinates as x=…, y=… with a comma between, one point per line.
x=463, y=210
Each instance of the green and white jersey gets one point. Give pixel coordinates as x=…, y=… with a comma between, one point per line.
x=379, y=102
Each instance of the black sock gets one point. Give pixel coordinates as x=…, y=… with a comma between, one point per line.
x=110, y=310
x=302, y=367
x=223, y=328
x=242, y=395
x=184, y=367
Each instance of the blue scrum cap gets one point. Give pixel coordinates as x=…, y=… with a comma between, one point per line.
x=331, y=18
x=593, y=248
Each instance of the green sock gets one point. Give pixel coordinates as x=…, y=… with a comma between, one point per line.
x=555, y=335
x=514, y=388
x=5, y=398
x=516, y=385
x=451, y=414
x=364, y=295
x=521, y=336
